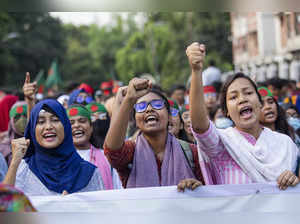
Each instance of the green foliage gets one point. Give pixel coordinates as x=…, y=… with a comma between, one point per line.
x=91, y=51
x=159, y=48
x=122, y=50
x=32, y=41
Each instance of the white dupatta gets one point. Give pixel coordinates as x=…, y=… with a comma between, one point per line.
x=272, y=154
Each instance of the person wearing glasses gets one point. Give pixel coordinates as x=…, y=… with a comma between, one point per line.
x=80, y=96
x=210, y=99
x=176, y=122
x=157, y=157
x=186, y=118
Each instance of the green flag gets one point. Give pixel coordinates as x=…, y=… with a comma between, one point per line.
x=53, y=79
x=40, y=81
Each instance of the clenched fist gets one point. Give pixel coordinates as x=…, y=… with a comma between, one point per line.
x=19, y=147
x=137, y=88
x=196, y=54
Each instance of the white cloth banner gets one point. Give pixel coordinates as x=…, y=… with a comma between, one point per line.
x=151, y=201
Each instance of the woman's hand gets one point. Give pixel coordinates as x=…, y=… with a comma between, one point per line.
x=29, y=89
x=196, y=53
x=190, y=183
x=64, y=193
x=122, y=91
x=137, y=88
x=286, y=179
x=19, y=147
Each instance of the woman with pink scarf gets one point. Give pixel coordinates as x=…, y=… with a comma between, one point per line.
x=247, y=152
x=82, y=130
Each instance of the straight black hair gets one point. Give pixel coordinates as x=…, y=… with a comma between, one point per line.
x=228, y=82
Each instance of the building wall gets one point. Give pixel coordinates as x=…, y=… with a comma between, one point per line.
x=266, y=44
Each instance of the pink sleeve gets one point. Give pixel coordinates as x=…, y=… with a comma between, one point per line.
x=210, y=141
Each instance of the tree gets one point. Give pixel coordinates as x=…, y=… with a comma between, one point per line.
x=39, y=39
x=91, y=50
x=159, y=48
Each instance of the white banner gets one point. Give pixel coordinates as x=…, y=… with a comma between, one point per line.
x=159, y=204
x=220, y=198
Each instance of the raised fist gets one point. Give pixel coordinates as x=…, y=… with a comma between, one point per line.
x=196, y=54
x=137, y=88
x=19, y=147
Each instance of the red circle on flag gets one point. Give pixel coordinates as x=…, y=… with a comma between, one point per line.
x=171, y=103
x=19, y=110
x=187, y=107
x=94, y=108
x=263, y=92
x=73, y=111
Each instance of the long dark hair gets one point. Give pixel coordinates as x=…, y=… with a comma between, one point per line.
x=228, y=82
x=281, y=124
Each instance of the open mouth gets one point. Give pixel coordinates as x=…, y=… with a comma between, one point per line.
x=246, y=112
x=50, y=136
x=78, y=133
x=269, y=114
x=151, y=119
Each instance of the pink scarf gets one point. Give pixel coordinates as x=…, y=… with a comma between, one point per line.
x=144, y=170
x=99, y=160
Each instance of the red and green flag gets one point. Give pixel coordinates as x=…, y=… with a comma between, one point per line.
x=40, y=80
x=53, y=80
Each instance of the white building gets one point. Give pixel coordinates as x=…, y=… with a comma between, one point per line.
x=267, y=45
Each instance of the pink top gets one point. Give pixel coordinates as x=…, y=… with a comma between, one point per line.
x=228, y=171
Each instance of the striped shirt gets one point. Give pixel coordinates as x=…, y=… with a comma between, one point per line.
x=228, y=171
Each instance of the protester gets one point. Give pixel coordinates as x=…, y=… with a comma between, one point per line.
x=178, y=93
x=87, y=88
x=185, y=115
x=99, y=97
x=293, y=119
x=176, y=123
x=82, y=130
x=16, y=127
x=80, y=96
x=219, y=119
x=51, y=164
x=245, y=153
x=272, y=115
x=210, y=98
x=98, y=111
x=63, y=100
x=100, y=123
x=291, y=111
x=157, y=158
x=279, y=88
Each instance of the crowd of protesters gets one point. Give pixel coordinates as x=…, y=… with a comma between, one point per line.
x=118, y=137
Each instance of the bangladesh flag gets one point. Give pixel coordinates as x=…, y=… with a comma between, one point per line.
x=53, y=79
x=40, y=80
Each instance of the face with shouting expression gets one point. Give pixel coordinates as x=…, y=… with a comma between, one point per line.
x=243, y=104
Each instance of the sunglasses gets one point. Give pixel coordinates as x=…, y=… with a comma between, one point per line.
x=81, y=99
x=214, y=95
x=174, y=112
x=155, y=104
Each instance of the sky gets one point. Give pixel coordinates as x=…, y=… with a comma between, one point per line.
x=87, y=18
